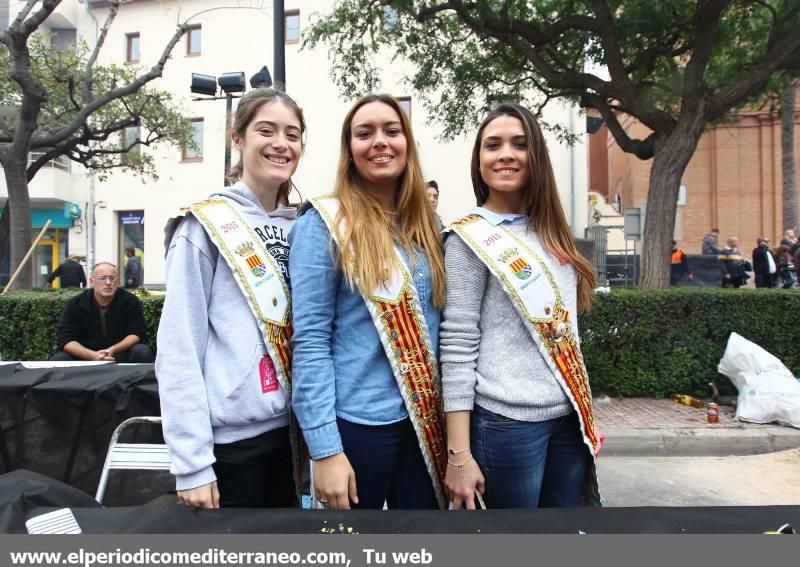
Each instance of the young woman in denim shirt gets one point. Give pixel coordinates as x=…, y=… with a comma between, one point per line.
x=345, y=394
x=519, y=418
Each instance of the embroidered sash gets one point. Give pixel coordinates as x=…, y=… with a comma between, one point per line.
x=397, y=315
x=259, y=279
x=536, y=297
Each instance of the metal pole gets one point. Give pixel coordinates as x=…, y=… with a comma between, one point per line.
x=279, y=34
x=90, y=228
x=228, y=110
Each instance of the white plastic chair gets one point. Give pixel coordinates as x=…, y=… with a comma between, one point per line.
x=132, y=456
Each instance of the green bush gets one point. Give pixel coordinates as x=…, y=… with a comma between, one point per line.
x=636, y=343
x=28, y=321
x=657, y=342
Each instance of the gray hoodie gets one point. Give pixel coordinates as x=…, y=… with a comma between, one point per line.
x=209, y=345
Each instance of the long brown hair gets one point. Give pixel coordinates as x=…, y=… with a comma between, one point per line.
x=546, y=215
x=249, y=105
x=369, y=232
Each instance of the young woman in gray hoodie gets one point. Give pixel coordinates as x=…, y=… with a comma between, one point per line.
x=225, y=421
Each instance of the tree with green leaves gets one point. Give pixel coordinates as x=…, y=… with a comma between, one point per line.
x=64, y=103
x=675, y=66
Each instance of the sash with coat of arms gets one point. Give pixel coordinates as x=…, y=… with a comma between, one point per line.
x=397, y=315
x=260, y=280
x=529, y=283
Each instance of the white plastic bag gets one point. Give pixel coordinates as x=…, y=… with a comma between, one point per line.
x=767, y=389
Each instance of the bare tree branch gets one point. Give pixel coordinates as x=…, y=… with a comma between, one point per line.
x=86, y=85
x=643, y=149
x=776, y=57
x=97, y=103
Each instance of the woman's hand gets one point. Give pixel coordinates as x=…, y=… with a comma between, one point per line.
x=463, y=482
x=206, y=496
x=335, y=482
x=600, y=436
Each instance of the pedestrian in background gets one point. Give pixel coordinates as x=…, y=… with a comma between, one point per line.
x=710, y=245
x=679, y=268
x=789, y=238
x=71, y=273
x=133, y=269
x=786, y=268
x=765, y=264
x=734, y=267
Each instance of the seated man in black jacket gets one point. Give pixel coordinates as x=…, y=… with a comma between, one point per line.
x=103, y=322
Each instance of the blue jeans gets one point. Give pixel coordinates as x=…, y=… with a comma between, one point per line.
x=529, y=464
x=389, y=466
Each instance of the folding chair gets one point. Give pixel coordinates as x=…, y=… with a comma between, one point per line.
x=132, y=456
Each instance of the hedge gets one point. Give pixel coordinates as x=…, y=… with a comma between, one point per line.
x=636, y=343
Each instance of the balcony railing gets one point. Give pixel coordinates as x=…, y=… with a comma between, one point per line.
x=61, y=162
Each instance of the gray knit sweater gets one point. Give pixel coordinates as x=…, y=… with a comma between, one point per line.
x=488, y=356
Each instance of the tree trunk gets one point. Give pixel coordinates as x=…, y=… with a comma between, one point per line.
x=19, y=201
x=789, y=164
x=5, y=227
x=669, y=162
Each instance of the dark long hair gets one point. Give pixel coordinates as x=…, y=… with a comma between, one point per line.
x=542, y=203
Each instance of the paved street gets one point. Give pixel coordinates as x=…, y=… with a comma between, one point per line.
x=753, y=480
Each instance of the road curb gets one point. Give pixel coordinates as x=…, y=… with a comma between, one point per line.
x=698, y=442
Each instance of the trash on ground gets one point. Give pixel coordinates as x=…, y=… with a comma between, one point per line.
x=688, y=400
x=768, y=391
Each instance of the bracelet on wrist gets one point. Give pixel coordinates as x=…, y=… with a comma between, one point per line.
x=461, y=466
x=454, y=452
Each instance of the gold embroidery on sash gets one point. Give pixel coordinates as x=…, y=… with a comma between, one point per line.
x=404, y=336
x=553, y=332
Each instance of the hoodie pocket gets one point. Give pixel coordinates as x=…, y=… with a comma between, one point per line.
x=244, y=402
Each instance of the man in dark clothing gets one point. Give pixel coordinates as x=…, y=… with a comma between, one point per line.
x=103, y=322
x=710, y=245
x=680, y=265
x=133, y=270
x=765, y=264
x=71, y=273
x=733, y=265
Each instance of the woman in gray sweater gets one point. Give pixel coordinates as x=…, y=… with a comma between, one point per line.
x=516, y=395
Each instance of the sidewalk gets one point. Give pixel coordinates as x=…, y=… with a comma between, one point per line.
x=661, y=427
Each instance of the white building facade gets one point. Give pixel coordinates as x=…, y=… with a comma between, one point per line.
x=132, y=212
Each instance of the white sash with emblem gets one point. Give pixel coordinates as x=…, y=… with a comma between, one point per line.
x=529, y=283
x=397, y=315
x=259, y=279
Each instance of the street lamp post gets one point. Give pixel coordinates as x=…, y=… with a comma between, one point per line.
x=232, y=84
x=279, y=39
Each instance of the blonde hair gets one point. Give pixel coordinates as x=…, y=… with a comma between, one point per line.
x=249, y=105
x=546, y=215
x=370, y=233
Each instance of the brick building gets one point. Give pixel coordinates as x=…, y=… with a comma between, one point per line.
x=733, y=181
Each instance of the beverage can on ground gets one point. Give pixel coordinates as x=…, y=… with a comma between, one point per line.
x=712, y=411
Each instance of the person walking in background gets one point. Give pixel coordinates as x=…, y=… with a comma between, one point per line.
x=789, y=238
x=786, y=268
x=765, y=265
x=734, y=267
x=71, y=273
x=520, y=424
x=679, y=268
x=710, y=245
x=133, y=269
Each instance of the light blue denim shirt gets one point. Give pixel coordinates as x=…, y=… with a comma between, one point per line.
x=339, y=367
